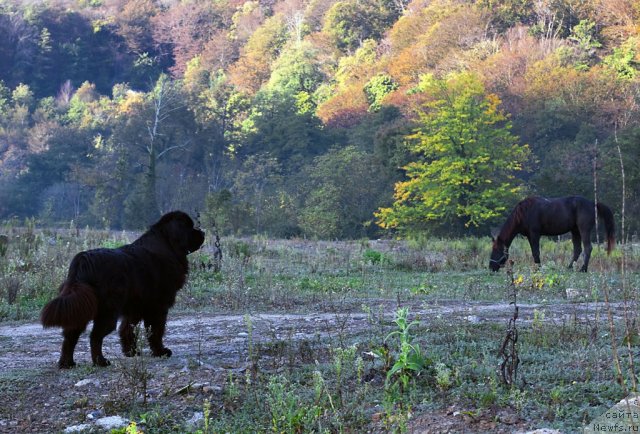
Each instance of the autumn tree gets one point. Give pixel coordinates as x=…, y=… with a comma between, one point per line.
x=464, y=173
x=253, y=68
x=186, y=28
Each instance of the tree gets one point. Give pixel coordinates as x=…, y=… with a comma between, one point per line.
x=508, y=13
x=349, y=23
x=186, y=27
x=153, y=133
x=465, y=173
x=165, y=100
x=253, y=67
x=377, y=88
x=334, y=208
x=219, y=111
x=256, y=184
x=296, y=70
x=278, y=126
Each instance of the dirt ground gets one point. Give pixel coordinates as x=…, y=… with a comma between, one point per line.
x=39, y=398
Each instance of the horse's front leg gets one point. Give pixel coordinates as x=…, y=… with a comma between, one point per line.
x=534, y=242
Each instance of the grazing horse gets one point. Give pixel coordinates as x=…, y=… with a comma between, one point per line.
x=536, y=216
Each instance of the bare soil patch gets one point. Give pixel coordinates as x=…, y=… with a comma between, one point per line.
x=207, y=348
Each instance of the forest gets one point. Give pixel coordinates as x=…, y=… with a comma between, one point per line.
x=321, y=119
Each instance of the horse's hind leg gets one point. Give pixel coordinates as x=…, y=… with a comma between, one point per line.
x=577, y=246
x=586, y=242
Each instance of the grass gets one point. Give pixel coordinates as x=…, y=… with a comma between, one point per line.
x=342, y=383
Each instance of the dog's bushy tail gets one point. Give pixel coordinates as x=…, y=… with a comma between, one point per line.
x=73, y=308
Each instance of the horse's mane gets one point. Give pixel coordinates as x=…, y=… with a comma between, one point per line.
x=516, y=216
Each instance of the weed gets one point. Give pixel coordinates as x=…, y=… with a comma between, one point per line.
x=375, y=257
x=343, y=359
x=135, y=372
x=443, y=376
x=409, y=361
x=206, y=411
x=286, y=409
x=231, y=393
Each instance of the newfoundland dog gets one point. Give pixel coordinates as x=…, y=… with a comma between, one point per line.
x=136, y=282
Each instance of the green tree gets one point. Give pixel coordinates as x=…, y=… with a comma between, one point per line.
x=296, y=72
x=465, y=173
x=508, y=13
x=257, y=184
x=377, y=88
x=610, y=179
x=623, y=59
x=153, y=132
x=342, y=192
x=277, y=125
x=349, y=23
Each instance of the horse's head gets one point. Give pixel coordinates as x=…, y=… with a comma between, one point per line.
x=499, y=254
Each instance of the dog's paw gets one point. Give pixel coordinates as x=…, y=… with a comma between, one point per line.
x=66, y=364
x=101, y=361
x=164, y=352
x=131, y=352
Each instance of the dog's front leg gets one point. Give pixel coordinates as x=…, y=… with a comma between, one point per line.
x=154, y=325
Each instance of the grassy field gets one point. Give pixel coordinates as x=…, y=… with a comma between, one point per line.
x=433, y=319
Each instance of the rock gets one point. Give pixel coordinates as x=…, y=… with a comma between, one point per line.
x=196, y=420
x=508, y=418
x=77, y=428
x=112, y=422
x=576, y=293
x=211, y=389
x=95, y=414
x=86, y=382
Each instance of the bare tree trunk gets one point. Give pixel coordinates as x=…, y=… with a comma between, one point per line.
x=165, y=100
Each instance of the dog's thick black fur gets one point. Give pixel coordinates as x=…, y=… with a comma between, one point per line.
x=136, y=282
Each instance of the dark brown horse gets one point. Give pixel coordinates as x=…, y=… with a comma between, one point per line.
x=536, y=216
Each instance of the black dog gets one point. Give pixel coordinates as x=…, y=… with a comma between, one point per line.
x=136, y=282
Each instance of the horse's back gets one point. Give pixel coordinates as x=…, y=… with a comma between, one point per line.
x=557, y=216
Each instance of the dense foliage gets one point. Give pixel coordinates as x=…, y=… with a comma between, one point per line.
x=302, y=117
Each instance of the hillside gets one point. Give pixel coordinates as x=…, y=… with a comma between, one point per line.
x=297, y=118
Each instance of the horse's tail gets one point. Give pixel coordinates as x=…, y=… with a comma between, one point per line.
x=604, y=212
x=73, y=308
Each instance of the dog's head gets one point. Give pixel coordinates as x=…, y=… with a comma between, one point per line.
x=179, y=230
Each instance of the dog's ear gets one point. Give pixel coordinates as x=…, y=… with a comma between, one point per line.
x=174, y=228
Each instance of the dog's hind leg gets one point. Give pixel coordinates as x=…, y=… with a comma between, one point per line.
x=128, y=336
x=155, y=327
x=103, y=324
x=71, y=337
